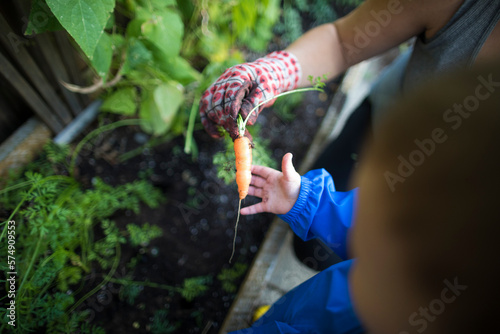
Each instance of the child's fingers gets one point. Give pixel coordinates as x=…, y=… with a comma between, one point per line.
x=254, y=191
x=253, y=209
x=257, y=181
x=262, y=171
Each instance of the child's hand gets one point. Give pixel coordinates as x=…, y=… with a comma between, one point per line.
x=278, y=190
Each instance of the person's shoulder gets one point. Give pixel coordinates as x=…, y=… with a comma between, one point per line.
x=431, y=13
x=435, y=14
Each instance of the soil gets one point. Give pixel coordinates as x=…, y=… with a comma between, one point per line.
x=197, y=220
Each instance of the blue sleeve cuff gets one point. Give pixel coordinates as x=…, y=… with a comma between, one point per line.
x=321, y=212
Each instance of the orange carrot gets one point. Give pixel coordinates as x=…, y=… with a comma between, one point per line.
x=243, y=153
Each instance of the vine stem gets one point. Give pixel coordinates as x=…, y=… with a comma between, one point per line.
x=300, y=90
x=105, y=280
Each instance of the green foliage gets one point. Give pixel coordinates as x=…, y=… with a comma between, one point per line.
x=229, y=276
x=122, y=101
x=284, y=108
x=83, y=19
x=253, y=21
x=323, y=12
x=290, y=25
x=129, y=292
x=142, y=235
x=319, y=12
x=160, y=323
x=195, y=286
x=318, y=82
x=49, y=22
x=86, y=328
x=56, y=154
x=56, y=220
x=156, y=49
x=159, y=107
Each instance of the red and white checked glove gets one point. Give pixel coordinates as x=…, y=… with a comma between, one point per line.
x=240, y=88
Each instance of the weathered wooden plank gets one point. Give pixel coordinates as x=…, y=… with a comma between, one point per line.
x=57, y=67
x=71, y=61
x=29, y=95
x=31, y=70
x=23, y=146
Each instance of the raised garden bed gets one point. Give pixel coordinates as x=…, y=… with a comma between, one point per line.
x=197, y=222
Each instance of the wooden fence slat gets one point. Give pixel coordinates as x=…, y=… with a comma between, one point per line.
x=75, y=75
x=32, y=71
x=29, y=94
x=56, y=65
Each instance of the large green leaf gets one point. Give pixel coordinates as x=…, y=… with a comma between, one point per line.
x=83, y=19
x=123, y=101
x=164, y=29
x=103, y=54
x=41, y=19
x=178, y=69
x=158, y=108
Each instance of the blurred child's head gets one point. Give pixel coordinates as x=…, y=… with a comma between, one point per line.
x=427, y=226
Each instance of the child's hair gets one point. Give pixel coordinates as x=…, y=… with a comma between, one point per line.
x=437, y=164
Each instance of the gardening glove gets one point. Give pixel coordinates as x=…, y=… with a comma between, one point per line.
x=244, y=86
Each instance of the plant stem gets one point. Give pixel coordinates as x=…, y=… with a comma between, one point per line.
x=33, y=258
x=96, y=132
x=106, y=280
x=16, y=186
x=148, y=284
x=192, y=118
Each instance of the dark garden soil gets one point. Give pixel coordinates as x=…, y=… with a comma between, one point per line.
x=197, y=220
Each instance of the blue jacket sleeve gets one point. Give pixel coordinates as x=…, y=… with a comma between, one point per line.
x=322, y=304
x=321, y=212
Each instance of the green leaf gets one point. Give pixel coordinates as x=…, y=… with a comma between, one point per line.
x=118, y=41
x=158, y=108
x=123, y=101
x=83, y=19
x=164, y=29
x=186, y=8
x=244, y=16
x=41, y=19
x=178, y=69
x=103, y=54
x=137, y=55
x=157, y=4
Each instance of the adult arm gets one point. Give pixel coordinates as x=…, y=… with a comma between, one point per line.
x=372, y=28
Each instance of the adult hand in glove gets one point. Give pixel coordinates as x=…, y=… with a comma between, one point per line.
x=242, y=87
